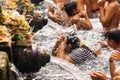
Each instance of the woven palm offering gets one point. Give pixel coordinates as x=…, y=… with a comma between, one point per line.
x=11, y=4
x=25, y=7
x=5, y=36
x=5, y=41
x=23, y=39
x=16, y=37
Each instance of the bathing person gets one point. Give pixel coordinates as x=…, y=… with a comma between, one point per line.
x=73, y=13
x=113, y=40
x=108, y=16
x=77, y=15
x=56, y=13
x=70, y=49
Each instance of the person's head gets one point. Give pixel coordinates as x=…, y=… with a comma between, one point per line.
x=73, y=42
x=70, y=7
x=113, y=38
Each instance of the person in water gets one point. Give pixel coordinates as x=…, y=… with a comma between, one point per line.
x=113, y=40
x=109, y=14
x=71, y=49
x=56, y=12
x=73, y=13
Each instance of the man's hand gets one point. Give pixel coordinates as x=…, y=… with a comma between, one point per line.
x=98, y=76
x=62, y=38
x=104, y=44
x=83, y=14
x=51, y=8
x=116, y=78
x=97, y=51
x=115, y=56
x=57, y=18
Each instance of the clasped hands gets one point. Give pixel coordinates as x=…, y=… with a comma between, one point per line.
x=62, y=38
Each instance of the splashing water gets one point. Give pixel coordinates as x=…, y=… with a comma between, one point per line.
x=58, y=69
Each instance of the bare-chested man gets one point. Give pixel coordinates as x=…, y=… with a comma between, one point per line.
x=73, y=12
x=109, y=14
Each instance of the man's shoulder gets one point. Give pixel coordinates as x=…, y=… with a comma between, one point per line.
x=114, y=7
x=114, y=4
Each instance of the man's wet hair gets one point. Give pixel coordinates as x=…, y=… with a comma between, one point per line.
x=69, y=7
x=113, y=35
x=73, y=40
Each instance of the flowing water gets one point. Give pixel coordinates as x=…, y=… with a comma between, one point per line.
x=58, y=69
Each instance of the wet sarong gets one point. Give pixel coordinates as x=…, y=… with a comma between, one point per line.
x=80, y=55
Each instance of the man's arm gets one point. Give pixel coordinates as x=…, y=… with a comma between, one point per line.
x=61, y=50
x=87, y=24
x=85, y=21
x=107, y=15
x=61, y=54
x=88, y=7
x=98, y=75
x=112, y=67
x=114, y=56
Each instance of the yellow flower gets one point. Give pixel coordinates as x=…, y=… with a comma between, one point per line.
x=82, y=43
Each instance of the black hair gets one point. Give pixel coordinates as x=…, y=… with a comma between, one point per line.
x=113, y=35
x=74, y=41
x=69, y=7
